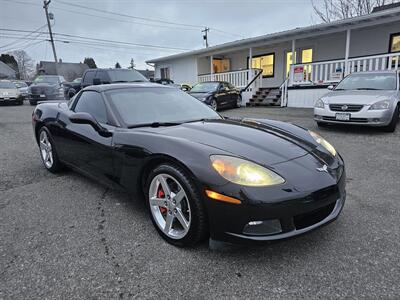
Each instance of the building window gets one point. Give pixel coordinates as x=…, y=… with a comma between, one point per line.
x=265, y=63
x=395, y=42
x=306, y=57
x=221, y=65
x=165, y=73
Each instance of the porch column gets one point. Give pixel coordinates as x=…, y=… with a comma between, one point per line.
x=294, y=61
x=212, y=67
x=346, y=58
x=250, y=76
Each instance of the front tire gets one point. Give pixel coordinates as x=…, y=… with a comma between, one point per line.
x=48, y=152
x=176, y=206
x=393, y=123
x=214, y=104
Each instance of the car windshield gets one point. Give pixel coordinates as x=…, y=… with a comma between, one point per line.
x=126, y=76
x=7, y=85
x=138, y=106
x=205, y=87
x=47, y=79
x=377, y=81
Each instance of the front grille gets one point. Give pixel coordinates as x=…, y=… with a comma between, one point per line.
x=308, y=219
x=358, y=120
x=41, y=90
x=346, y=107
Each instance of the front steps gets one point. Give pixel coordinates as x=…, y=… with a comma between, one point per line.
x=266, y=97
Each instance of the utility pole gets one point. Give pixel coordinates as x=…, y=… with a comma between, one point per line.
x=45, y=6
x=205, y=35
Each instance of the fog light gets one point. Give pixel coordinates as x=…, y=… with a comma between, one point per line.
x=318, y=117
x=266, y=227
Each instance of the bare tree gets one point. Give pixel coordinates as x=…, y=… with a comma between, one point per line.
x=25, y=64
x=331, y=10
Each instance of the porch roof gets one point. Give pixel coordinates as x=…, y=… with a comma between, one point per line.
x=375, y=18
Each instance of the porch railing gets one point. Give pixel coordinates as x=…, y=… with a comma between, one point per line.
x=334, y=70
x=239, y=79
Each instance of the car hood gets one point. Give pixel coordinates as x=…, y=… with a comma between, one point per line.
x=357, y=97
x=8, y=92
x=200, y=95
x=256, y=142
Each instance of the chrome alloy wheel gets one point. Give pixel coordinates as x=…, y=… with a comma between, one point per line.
x=169, y=206
x=46, y=149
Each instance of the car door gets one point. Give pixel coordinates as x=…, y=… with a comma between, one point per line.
x=222, y=94
x=82, y=145
x=233, y=94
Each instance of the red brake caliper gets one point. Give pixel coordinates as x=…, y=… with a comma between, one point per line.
x=161, y=194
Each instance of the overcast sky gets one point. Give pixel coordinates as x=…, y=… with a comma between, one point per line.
x=238, y=18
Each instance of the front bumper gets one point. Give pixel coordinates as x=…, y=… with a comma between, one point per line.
x=10, y=99
x=280, y=218
x=34, y=98
x=363, y=117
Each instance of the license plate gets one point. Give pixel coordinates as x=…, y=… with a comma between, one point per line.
x=343, y=117
x=42, y=96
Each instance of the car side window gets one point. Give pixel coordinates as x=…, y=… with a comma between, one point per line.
x=102, y=75
x=231, y=86
x=89, y=77
x=92, y=102
x=225, y=86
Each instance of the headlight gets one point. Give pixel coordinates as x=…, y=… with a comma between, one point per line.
x=319, y=104
x=324, y=143
x=244, y=172
x=385, y=104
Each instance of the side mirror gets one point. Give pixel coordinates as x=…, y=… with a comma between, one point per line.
x=85, y=118
x=96, y=81
x=331, y=87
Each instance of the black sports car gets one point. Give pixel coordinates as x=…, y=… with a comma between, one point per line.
x=199, y=173
x=217, y=94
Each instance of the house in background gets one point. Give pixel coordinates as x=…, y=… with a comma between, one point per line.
x=6, y=72
x=70, y=71
x=294, y=67
x=149, y=74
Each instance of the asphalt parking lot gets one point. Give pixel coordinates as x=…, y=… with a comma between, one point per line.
x=64, y=236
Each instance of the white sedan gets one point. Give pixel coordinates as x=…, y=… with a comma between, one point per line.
x=365, y=98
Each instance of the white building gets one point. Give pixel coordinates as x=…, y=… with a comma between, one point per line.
x=324, y=53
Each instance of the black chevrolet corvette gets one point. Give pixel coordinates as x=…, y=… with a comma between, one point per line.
x=200, y=174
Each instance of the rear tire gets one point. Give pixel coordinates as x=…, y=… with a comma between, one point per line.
x=48, y=152
x=32, y=102
x=393, y=123
x=176, y=184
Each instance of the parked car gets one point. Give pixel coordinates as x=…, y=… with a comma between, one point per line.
x=71, y=88
x=46, y=87
x=9, y=93
x=107, y=76
x=200, y=174
x=365, y=98
x=183, y=86
x=217, y=94
x=23, y=88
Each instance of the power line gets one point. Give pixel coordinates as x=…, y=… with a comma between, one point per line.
x=104, y=40
x=27, y=35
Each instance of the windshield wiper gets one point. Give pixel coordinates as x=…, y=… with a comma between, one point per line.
x=155, y=124
x=367, y=89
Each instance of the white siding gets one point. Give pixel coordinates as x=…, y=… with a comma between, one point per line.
x=183, y=70
x=305, y=97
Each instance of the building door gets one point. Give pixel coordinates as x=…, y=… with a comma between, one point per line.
x=394, y=46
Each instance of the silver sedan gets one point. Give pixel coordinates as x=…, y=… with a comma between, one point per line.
x=365, y=98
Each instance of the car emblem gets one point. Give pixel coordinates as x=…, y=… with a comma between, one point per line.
x=344, y=107
x=324, y=168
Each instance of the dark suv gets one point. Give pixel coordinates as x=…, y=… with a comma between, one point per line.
x=106, y=76
x=46, y=87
